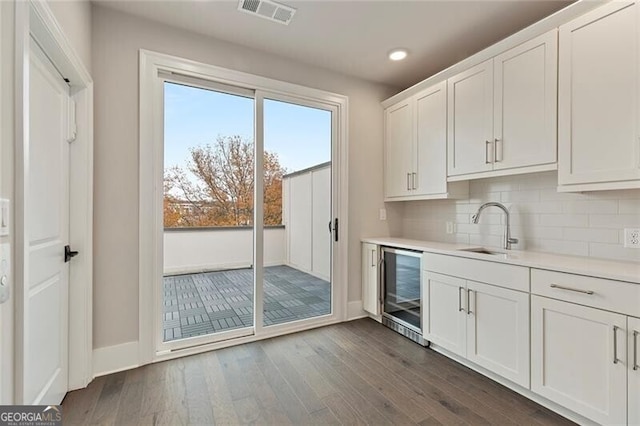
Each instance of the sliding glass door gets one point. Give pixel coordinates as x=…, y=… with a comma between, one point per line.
x=248, y=205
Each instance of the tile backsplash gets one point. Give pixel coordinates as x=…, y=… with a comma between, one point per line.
x=582, y=224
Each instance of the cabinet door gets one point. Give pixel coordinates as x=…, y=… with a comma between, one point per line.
x=470, y=135
x=498, y=331
x=574, y=361
x=370, y=282
x=444, y=314
x=525, y=99
x=598, y=94
x=634, y=371
x=431, y=141
x=399, y=135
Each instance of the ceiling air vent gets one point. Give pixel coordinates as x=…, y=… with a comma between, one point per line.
x=268, y=9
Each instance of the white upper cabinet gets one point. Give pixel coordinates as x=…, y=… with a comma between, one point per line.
x=525, y=104
x=431, y=141
x=470, y=120
x=415, y=165
x=598, y=95
x=399, y=140
x=502, y=112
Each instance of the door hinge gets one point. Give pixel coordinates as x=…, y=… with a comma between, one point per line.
x=72, y=127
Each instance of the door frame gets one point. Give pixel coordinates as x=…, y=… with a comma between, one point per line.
x=150, y=211
x=35, y=19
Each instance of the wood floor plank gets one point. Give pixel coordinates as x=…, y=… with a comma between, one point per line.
x=130, y=403
x=224, y=412
x=276, y=351
x=344, y=412
x=106, y=407
x=198, y=403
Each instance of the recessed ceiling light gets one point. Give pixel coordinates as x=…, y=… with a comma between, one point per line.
x=398, y=54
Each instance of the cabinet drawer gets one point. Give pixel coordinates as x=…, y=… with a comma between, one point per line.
x=616, y=296
x=500, y=274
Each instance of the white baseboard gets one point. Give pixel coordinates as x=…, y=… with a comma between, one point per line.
x=355, y=311
x=112, y=359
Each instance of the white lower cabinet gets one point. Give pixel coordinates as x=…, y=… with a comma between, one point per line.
x=634, y=371
x=498, y=330
x=579, y=359
x=444, y=318
x=486, y=324
x=370, y=283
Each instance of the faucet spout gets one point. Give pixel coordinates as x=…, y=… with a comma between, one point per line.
x=508, y=240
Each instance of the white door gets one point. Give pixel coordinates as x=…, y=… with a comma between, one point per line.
x=431, y=141
x=45, y=345
x=445, y=311
x=525, y=99
x=578, y=359
x=470, y=135
x=498, y=331
x=398, y=142
x=598, y=94
x=370, y=288
x=634, y=371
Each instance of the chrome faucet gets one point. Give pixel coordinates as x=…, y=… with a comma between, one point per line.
x=507, y=233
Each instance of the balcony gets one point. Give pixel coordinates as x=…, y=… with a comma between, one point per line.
x=208, y=272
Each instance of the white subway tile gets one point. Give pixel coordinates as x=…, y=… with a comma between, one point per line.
x=613, y=221
x=629, y=207
x=598, y=235
x=570, y=220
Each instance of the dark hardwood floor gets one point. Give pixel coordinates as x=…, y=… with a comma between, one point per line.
x=352, y=373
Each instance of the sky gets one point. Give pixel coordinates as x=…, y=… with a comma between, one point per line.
x=301, y=136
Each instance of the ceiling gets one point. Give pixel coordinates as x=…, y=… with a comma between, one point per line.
x=354, y=37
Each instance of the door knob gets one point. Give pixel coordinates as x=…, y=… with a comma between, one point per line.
x=69, y=254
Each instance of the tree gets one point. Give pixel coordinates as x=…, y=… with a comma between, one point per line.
x=220, y=191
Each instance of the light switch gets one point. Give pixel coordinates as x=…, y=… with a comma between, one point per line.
x=4, y=217
x=383, y=214
x=5, y=264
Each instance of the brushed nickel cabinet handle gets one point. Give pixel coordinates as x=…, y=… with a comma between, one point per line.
x=460, y=290
x=577, y=290
x=469, y=312
x=635, y=350
x=414, y=178
x=408, y=181
x=373, y=257
x=495, y=150
x=486, y=152
x=615, y=344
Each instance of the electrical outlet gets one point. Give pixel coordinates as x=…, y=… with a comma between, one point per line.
x=450, y=227
x=632, y=238
x=383, y=214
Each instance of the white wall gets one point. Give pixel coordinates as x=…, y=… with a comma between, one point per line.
x=218, y=248
x=306, y=209
x=582, y=224
x=74, y=17
x=117, y=39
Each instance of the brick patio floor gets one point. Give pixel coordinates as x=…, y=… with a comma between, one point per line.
x=197, y=304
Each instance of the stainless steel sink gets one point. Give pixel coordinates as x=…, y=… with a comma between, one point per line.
x=483, y=250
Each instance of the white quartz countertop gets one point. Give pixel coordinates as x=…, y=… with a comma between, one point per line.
x=609, y=269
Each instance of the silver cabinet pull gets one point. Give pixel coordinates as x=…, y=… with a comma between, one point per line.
x=495, y=150
x=486, y=152
x=381, y=280
x=373, y=257
x=460, y=290
x=577, y=290
x=469, y=312
x=414, y=178
x=615, y=344
x=635, y=350
x=408, y=181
